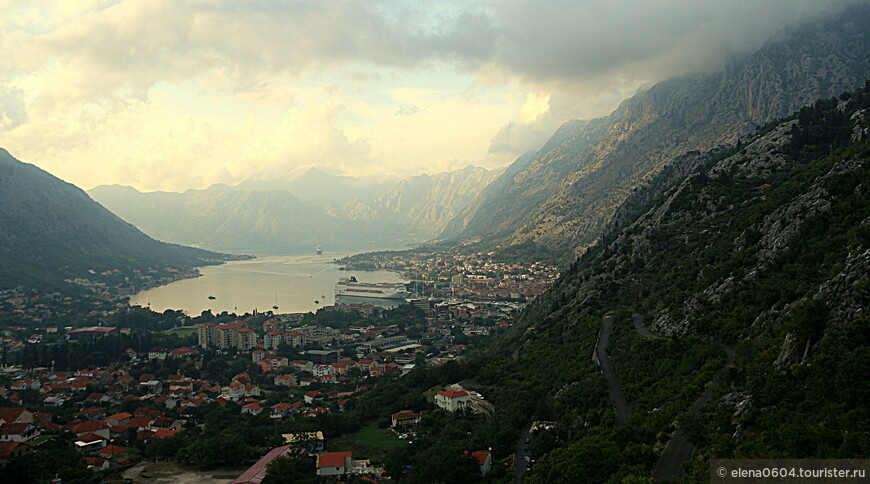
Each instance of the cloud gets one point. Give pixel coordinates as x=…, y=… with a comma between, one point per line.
x=178, y=93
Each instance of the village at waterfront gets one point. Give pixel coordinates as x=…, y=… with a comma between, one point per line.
x=118, y=380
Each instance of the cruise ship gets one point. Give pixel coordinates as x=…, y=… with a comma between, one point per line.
x=350, y=287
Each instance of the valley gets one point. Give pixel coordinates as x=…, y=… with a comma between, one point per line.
x=680, y=282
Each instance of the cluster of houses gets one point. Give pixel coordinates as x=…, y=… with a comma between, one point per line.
x=473, y=277
x=95, y=434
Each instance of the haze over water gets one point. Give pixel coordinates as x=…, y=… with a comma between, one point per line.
x=295, y=283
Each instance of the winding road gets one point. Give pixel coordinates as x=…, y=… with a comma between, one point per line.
x=520, y=454
x=679, y=449
x=613, y=386
x=637, y=319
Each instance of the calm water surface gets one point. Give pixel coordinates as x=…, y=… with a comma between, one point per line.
x=294, y=283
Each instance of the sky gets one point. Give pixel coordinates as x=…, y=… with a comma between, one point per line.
x=172, y=95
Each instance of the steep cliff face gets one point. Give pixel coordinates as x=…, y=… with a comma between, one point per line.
x=426, y=203
x=568, y=193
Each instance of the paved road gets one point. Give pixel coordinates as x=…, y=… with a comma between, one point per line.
x=520, y=454
x=679, y=449
x=637, y=319
x=613, y=385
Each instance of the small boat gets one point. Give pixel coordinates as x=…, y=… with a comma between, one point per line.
x=211, y=297
x=275, y=308
x=316, y=302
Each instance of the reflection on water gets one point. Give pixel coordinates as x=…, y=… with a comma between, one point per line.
x=294, y=283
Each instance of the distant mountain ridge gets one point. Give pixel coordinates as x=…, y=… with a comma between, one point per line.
x=564, y=197
x=267, y=215
x=51, y=230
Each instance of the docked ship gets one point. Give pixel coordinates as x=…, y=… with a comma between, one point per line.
x=350, y=287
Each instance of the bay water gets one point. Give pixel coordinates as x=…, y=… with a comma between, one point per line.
x=293, y=283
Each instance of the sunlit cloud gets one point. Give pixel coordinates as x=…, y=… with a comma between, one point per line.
x=182, y=94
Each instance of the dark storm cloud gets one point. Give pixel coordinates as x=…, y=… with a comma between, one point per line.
x=563, y=40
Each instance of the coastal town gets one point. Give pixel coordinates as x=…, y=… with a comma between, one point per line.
x=289, y=370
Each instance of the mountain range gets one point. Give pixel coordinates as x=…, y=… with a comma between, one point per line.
x=312, y=208
x=563, y=197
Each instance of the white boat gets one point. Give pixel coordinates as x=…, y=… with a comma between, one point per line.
x=350, y=287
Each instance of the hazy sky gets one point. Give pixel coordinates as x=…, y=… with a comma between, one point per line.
x=171, y=95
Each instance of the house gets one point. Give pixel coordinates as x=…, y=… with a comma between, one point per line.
x=140, y=422
x=484, y=460
x=167, y=423
x=122, y=418
x=18, y=432
x=97, y=464
x=111, y=451
x=311, y=441
x=90, y=442
x=15, y=415
x=327, y=378
x=404, y=419
x=334, y=463
x=286, y=380
x=257, y=472
x=252, y=409
x=96, y=426
x=451, y=400
x=280, y=410
x=311, y=396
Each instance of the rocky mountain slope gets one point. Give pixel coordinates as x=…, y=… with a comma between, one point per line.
x=51, y=230
x=567, y=194
x=759, y=251
x=266, y=215
x=427, y=203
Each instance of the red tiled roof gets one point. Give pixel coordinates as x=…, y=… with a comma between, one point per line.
x=13, y=428
x=333, y=459
x=452, y=393
x=111, y=450
x=480, y=456
x=89, y=427
x=95, y=461
x=10, y=414
x=90, y=438
x=7, y=448
x=140, y=422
